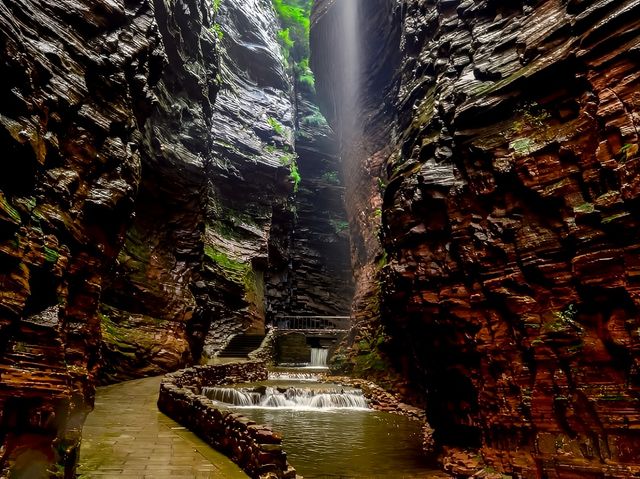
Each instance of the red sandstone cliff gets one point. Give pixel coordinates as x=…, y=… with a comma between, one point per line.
x=81, y=82
x=509, y=222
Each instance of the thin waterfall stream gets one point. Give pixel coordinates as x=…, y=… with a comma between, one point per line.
x=319, y=357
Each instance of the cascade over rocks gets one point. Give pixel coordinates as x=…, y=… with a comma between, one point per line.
x=509, y=242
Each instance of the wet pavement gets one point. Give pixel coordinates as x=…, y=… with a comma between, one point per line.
x=127, y=437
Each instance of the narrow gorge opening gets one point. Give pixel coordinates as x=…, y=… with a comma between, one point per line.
x=359, y=238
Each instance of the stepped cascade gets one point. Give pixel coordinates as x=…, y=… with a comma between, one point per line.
x=289, y=398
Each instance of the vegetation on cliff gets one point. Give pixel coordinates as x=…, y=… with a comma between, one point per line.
x=294, y=37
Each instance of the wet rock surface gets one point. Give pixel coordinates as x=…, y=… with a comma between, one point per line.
x=151, y=312
x=78, y=80
x=250, y=192
x=508, y=227
x=220, y=240
x=273, y=244
x=317, y=279
x=139, y=214
x=191, y=272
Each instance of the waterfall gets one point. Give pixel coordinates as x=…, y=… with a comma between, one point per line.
x=319, y=357
x=236, y=397
x=351, y=68
x=289, y=398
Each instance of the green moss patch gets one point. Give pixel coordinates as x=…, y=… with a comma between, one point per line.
x=8, y=212
x=51, y=255
x=235, y=268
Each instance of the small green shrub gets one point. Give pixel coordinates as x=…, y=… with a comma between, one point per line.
x=216, y=29
x=294, y=37
x=286, y=42
x=316, y=119
x=294, y=17
x=291, y=160
x=339, y=225
x=294, y=173
x=331, y=177
x=276, y=126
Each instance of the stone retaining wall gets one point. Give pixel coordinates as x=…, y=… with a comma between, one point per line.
x=266, y=351
x=255, y=448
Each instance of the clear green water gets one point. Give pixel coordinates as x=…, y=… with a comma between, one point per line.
x=346, y=443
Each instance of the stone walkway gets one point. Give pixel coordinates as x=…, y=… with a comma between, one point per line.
x=127, y=437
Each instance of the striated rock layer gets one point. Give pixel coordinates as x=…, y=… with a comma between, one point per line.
x=77, y=91
x=317, y=278
x=220, y=240
x=139, y=222
x=509, y=221
x=152, y=316
x=250, y=189
x=214, y=184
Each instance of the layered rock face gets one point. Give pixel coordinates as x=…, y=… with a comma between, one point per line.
x=317, y=279
x=153, y=318
x=250, y=192
x=361, y=110
x=135, y=217
x=215, y=184
x=219, y=238
x=77, y=91
x=274, y=243
x=508, y=226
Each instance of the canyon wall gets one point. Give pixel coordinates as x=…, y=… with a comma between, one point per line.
x=508, y=244
x=218, y=243
x=275, y=235
x=362, y=115
x=78, y=90
x=250, y=193
x=317, y=278
x=151, y=314
x=142, y=219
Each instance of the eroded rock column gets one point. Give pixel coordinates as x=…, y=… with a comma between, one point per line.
x=78, y=80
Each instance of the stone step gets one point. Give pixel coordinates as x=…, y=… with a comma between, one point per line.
x=241, y=346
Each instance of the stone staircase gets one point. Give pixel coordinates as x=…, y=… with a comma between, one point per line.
x=241, y=346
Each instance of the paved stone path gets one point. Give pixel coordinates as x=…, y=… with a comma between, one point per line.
x=127, y=437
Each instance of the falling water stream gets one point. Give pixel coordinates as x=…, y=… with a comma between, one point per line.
x=319, y=357
x=328, y=429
